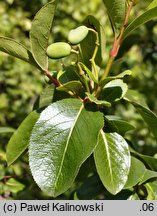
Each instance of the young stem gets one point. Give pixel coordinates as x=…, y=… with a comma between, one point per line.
x=92, y=60
x=117, y=43
x=84, y=78
x=115, y=48
x=52, y=79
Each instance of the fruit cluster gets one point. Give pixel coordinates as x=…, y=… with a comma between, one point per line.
x=62, y=49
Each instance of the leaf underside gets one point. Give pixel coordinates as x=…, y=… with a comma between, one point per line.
x=116, y=10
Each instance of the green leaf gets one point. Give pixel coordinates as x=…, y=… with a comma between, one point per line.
x=117, y=125
x=112, y=158
x=136, y=174
x=134, y=197
x=90, y=188
x=116, y=10
x=152, y=190
x=6, y=130
x=69, y=74
x=91, y=76
x=93, y=99
x=74, y=86
x=88, y=44
x=148, y=175
x=14, y=186
x=119, y=76
x=145, y=17
x=152, y=5
x=16, y=49
x=149, y=160
x=148, y=116
x=45, y=98
x=62, y=139
x=40, y=31
x=20, y=139
x=136, y=97
x=86, y=169
x=114, y=90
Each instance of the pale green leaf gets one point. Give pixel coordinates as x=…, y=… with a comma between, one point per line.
x=74, y=86
x=134, y=197
x=19, y=141
x=62, y=139
x=112, y=158
x=90, y=74
x=14, y=186
x=152, y=5
x=93, y=99
x=148, y=175
x=145, y=17
x=136, y=173
x=16, y=49
x=6, y=130
x=152, y=190
x=116, y=10
x=40, y=31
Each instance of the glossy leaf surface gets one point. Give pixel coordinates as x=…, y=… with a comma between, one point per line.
x=112, y=160
x=136, y=173
x=20, y=139
x=63, y=138
x=117, y=125
x=116, y=10
x=40, y=31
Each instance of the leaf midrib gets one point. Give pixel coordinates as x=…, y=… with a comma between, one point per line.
x=108, y=155
x=66, y=147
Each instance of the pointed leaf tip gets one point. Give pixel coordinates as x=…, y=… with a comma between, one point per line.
x=40, y=31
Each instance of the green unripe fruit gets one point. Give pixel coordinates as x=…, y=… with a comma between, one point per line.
x=77, y=35
x=58, y=50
